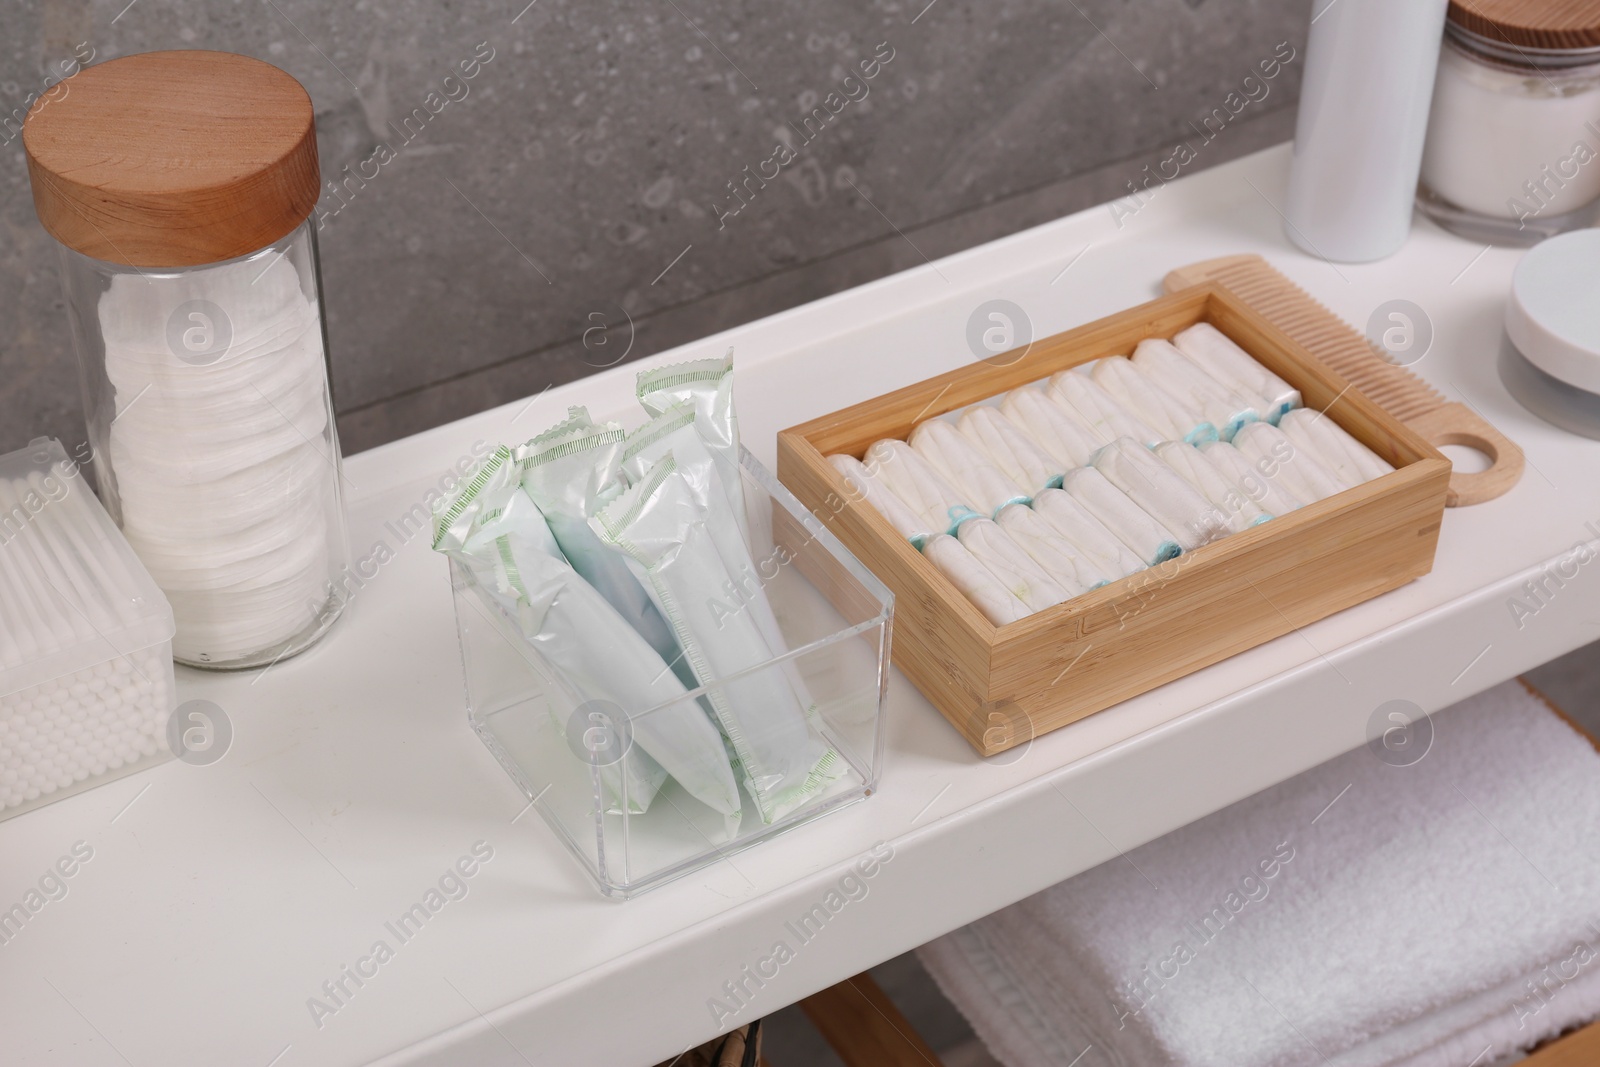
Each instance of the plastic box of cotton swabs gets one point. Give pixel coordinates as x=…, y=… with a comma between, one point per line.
x=86, y=684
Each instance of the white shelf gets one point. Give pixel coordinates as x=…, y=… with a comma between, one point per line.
x=220, y=898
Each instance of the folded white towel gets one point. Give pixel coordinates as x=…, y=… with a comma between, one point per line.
x=1215, y=353
x=1363, y=914
x=1350, y=460
x=1044, y=420
x=1223, y=406
x=1170, y=500
x=1086, y=533
x=1105, y=418
x=998, y=604
x=1134, y=527
x=1175, y=419
x=1194, y=467
x=1011, y=566
x=983, y=485
x=1270, y=449
x=1013, y=451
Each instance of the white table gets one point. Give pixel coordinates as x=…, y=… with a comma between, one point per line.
x=220, y=898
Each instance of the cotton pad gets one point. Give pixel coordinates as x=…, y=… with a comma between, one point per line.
x=1150, y=541
x=941, y=506
x=1194, y=467
x=1271, y=495
x=1047, y=423
x=861, y=483
x=1272, y=451
x=1222, y=406
x=1011, y=566
x=1071, y=568
x=1011, y=450
x=663, y=524
x=1103, y=549
x=998, y=604
x=1174, y=419
x=1131, y=467
x=982, y=484
x=1350, y=460
x=1099, y=410
x=1216, y=354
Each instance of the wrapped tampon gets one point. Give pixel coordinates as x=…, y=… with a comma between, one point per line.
x=570, y=471
x=998, y=604
x=1102, y=548
x=1269, y=494
x=983, y=485
x=1059, y=558
x=1165, y=497
x=706, y=386
x=1013, y=567
x=1349, y=459
x=1099, y=410
x=1194, y=467
x=1151, y=542
x=1163, y=412
x=924, y=490
x=1222, y=406
x=494, y=530
x=1050, y=426
x=1011, y=450
x=1272, y=452
x=864, y=486
x=1216, y=354
x=663, y=524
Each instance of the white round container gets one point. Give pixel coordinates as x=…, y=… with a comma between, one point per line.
x=1551, y=360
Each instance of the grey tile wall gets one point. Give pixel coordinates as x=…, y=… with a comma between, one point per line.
x=620, y=162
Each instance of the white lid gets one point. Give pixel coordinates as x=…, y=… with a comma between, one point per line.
x=72, y=592
x=1553, y=316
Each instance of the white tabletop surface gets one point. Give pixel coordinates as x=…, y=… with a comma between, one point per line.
x=220, y=898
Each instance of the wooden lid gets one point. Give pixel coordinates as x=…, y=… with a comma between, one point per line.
x=1557, y=24
x=172, y=159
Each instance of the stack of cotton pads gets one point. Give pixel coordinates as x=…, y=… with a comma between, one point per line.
x=1100, y=471
x=86, y=683
x=222, y=465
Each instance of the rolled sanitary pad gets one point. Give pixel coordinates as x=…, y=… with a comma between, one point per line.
x=1049, y=425
x=1060, y=559
x=1156, y=488
x=1216, y=354
x=1166, y=414
x=705, y=386
x=1150, y=541
x=1011, y=450
x=941, y=506
x=1269, y=494
x=861, y=482
x=1014, y=568
x=1223, y=407
x=1305, y=475
x=1103, y=549
x=495, y=531
x=1194, y=467
x=998, y=604
x=662, y=525
x=1350, y=460
x=1105, y=418
x=983, y=485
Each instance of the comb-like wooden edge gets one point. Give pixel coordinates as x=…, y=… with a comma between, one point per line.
x=1399, y=391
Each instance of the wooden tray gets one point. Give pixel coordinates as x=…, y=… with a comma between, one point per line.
x=1001, y=686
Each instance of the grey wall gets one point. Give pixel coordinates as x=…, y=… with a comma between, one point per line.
x=599, y=143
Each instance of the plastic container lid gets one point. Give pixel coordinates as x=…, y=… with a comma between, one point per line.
x=1553, y=316
x=72, y=592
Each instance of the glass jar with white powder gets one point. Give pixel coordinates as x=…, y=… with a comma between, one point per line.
x=1513, y=148
x=179, y=186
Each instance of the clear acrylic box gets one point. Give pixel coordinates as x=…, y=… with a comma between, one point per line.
x=835, y=617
